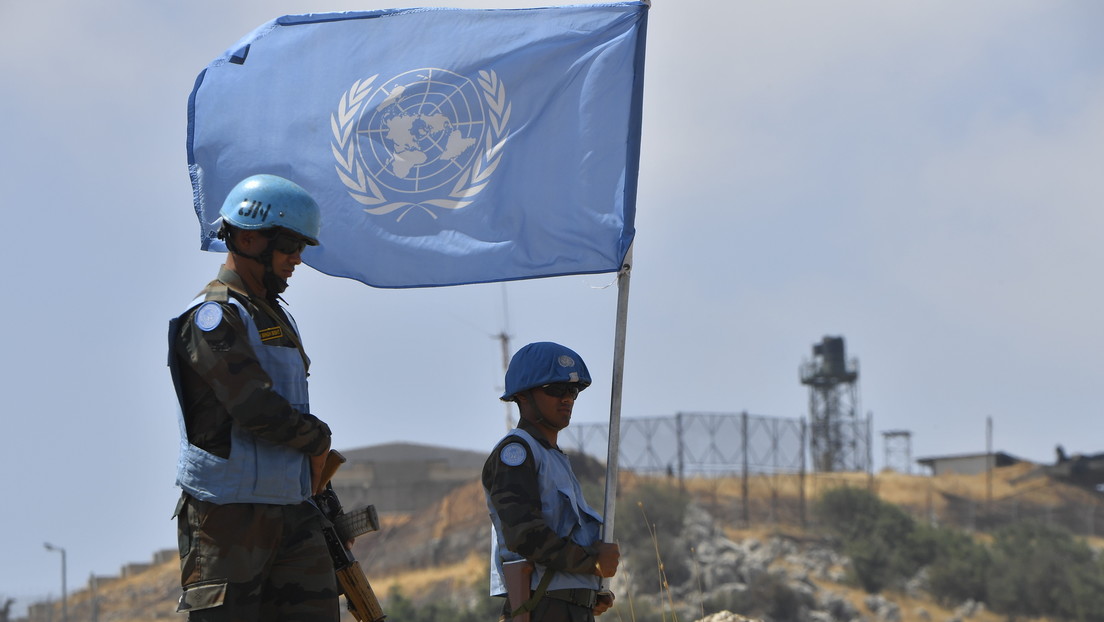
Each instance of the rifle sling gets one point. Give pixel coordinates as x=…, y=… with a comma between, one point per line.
x=542, y=587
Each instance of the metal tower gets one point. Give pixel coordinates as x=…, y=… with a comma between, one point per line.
x=898, y=450
x=839, y=440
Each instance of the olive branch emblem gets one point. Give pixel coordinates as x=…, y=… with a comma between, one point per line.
x=473, y=180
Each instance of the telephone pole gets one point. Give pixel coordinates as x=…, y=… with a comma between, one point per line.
x=504, y=338
x=64, y=596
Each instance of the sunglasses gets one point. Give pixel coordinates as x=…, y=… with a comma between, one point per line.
x=560, y=389
x=288, y=245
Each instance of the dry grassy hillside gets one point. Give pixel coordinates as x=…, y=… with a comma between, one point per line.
x=975, y=502
x=442, y=551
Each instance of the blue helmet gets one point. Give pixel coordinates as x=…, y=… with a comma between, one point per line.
x=266, y=201
x=543, y=363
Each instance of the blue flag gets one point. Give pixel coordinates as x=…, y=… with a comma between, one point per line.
x=444, y=146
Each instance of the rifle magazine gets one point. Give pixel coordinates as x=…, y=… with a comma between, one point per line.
x=350, y=525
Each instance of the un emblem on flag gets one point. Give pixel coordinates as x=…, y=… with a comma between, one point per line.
x=427, y=138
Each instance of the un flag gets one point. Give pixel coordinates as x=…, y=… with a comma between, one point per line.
x=445, y=146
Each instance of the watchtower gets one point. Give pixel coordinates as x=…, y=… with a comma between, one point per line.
x=898, y=450
x=839, y=440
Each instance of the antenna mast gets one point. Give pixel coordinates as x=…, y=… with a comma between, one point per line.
x=504, y=339
x=837, y=439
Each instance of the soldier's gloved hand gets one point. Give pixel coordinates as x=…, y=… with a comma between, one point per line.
x=609, y=554
x=605, y=601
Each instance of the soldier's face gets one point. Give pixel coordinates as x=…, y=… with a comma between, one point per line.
x=283, y=264
x=556, y=410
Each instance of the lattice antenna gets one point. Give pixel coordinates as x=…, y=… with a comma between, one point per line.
x=835, y=436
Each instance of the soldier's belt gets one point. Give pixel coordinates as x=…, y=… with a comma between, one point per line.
x=578, y=596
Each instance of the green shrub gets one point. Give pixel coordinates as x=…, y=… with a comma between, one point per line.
x=958, y=572
x=884, y=543
x=400, y=608
x=1031, y=569
x=1041, y=570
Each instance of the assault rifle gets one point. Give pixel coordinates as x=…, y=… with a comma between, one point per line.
x=346, y=526
x=516, y=575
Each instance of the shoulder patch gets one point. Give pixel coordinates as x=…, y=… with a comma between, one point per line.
x=513, y=454
x=208, y=316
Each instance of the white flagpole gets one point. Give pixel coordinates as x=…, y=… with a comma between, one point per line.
x=615, y=400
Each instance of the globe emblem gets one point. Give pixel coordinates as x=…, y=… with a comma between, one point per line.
x=420, y=130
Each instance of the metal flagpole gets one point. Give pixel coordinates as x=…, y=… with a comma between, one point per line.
x=615, y=399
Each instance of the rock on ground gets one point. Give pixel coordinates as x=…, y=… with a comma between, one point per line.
x=726, y=616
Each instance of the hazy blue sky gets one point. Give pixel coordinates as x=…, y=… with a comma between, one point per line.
x=922, y=178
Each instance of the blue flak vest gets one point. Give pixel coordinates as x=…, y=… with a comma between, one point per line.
x=565, y=512
x=257, y=471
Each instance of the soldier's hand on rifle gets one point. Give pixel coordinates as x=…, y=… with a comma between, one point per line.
x=605, y=601
x=609, y=554
x=317, y=466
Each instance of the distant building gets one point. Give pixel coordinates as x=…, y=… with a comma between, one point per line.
x=403, y=477
x=968, y=464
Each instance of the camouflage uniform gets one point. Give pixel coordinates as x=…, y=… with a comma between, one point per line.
x=246, y=561
x=514, y=493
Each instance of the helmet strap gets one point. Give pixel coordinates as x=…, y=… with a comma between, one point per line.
x=274, y=285
x=539, y=415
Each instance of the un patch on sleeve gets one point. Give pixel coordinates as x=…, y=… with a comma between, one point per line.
x=208, y=316
x=512, y=454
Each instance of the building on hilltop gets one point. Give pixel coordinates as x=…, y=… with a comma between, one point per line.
x=403, y=477
x=968, y=464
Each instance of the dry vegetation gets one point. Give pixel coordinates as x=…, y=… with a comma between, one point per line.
x=442, y=550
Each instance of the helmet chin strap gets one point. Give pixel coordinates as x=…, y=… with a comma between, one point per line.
x=540, y=416
x=274, y=285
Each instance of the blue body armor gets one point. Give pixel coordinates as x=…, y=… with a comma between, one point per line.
x=257, y=470
x=565, y=512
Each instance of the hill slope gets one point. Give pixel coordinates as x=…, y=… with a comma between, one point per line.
x=440, y=553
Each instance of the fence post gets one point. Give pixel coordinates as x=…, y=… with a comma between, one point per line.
x=801, y=478
x=744, y=442
x=679, y=440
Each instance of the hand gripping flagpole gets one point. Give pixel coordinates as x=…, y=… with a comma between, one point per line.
x=614, y=449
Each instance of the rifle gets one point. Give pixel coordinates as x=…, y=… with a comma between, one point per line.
x=516, y=575
x=361, y=600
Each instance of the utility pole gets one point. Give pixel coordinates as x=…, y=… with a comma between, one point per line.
x=991, y=462
x=94, y=599
x=64, y=597
x=504, y=338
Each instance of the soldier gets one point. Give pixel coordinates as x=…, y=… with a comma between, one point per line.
x=250, y=542
x=537, y=508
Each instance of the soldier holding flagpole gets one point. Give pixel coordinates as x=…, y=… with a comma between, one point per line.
x=542, y=526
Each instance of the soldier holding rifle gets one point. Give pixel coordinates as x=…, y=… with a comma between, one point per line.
x=547, y=556
x=251, y=453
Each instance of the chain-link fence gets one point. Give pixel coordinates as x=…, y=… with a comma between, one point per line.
x=704, y=450
x=693, y=444
x=754, y=469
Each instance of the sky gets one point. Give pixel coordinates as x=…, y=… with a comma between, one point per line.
x=921, y=178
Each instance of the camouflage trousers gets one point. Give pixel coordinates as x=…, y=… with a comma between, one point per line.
x=246, y=562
